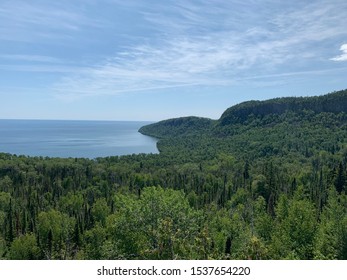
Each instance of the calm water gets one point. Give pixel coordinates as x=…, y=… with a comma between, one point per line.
x=89, y=139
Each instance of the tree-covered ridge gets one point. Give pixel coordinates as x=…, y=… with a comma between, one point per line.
x=277, y=127
x=270, y=187
x=178, y=127
x=330, y=103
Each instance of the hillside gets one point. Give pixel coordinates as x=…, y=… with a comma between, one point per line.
x=256, y=129
x=330, y=103
x=177, y=127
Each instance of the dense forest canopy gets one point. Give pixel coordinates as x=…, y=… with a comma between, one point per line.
x=333, y=103
x=267, y=180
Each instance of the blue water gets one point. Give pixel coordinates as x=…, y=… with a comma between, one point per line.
x=88, y=139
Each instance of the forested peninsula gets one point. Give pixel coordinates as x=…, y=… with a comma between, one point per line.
x=267, y=180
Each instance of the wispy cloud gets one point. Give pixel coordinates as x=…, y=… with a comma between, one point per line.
x=38, y=63
x=298, y=73
x=343, y=56
x=187, y=42
x=30, y=58
x=43, y=68
x=28, y=21
x=180, y=62
x=197, y=43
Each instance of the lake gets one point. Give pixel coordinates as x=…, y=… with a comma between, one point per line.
x=88, y=139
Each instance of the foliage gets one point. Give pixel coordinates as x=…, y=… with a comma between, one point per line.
x=266, y=181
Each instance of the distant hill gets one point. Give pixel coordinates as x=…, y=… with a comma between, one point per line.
x=300, y=126
x=177, y=127
x=334, y=103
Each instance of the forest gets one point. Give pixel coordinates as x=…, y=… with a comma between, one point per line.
x=268, y=180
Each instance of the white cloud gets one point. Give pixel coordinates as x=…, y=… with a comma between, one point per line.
x=30, y=58
x=32, y=22
x=42, y=68
x=343, y=56
x=196, y=43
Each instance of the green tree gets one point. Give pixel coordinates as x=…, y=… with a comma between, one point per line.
x=55, y=230
x=100, y=211
x=159, y=224
x=331, y=239
x=295, y=228
x=94, y=240
x=3, y=249
x=25, y=247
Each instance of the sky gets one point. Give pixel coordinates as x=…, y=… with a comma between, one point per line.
x=152, y=60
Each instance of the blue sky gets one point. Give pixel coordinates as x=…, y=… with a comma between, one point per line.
x=152, y=60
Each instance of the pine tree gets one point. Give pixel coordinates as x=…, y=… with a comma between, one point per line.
x=340, y=179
